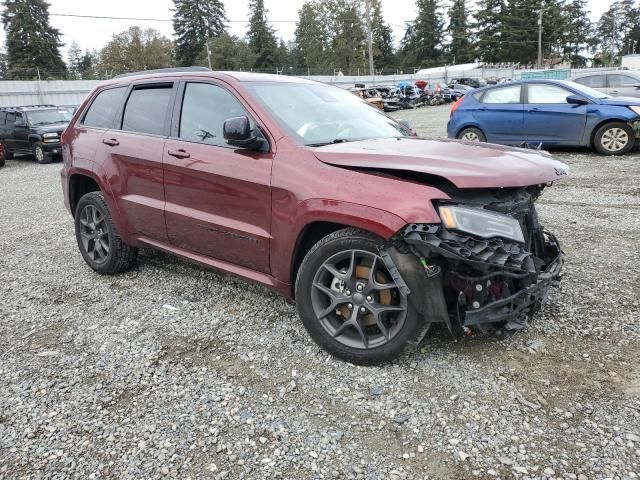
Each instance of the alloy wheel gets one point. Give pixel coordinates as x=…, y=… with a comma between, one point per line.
x=94, y=234
x=356, y=301
x=39, y=153
x=614, y=139
x=471, y=137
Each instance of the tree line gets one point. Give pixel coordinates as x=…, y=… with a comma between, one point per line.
x=330, y=37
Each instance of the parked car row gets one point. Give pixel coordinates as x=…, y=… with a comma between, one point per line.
x=547, y=113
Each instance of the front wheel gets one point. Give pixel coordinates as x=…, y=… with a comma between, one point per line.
x=615, y=138
x=472, y=134
x=98, y=239
x=40, y=155
x=349, y=303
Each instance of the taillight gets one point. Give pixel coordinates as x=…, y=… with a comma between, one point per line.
x=455, y=106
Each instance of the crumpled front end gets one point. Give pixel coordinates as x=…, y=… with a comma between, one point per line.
x=482, y=280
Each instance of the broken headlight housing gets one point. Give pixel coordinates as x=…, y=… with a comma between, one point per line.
x=480, y=222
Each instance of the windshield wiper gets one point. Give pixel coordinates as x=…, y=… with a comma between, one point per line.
x=322, y=144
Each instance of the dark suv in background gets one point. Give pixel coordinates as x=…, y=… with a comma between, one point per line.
x=33, y=129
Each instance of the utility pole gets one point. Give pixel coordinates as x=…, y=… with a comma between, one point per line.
x=372, y=72
x=208, y=54
x=613, y=41
x=540, y=36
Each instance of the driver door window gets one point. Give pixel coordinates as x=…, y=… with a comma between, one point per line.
x=205, y=107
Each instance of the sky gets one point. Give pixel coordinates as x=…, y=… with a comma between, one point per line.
x=95, y=33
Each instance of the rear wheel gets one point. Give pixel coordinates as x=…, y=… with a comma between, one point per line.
x=615, y=138
x=349, y=303
x=40, y=155
x=98, y=239
x=472, y=134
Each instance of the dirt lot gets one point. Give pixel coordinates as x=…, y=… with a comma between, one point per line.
x=177, y=372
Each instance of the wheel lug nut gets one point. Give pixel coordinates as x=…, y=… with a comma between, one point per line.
x=360, y=287
x=362, y=309
x=348, y=292
x=350, y=306
x=369, y=298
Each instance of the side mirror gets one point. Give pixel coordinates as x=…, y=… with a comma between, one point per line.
x=237, y=132
x=407, y=127
x=577, y=100
x=637, y=85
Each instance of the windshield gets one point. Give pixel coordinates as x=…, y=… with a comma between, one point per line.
x=587, y=90
x=320, y=114
x=48, y=117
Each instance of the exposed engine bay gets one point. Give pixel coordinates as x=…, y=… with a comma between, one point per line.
x=488, y=264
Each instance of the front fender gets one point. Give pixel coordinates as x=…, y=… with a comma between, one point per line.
x=35, y=137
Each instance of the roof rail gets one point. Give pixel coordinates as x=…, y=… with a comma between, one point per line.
x=165, y=70
x=28, y=106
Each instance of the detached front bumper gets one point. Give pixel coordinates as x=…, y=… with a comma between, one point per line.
x=482, y=281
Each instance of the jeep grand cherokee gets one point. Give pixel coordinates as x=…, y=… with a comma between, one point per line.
x=305, y=188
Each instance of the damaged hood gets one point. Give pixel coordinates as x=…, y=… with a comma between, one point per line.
x=466, y=165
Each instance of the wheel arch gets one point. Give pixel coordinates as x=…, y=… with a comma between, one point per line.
x=601, y=123
x=470, y=125
x=80, y=184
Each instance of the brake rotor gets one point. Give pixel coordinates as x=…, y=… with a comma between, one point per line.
x=383, y=296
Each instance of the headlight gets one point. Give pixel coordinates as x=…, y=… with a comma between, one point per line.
x=635, y=109
x=50, y=135
x=483, y=223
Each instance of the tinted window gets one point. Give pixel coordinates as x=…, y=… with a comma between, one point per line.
x=3, y=117
x=103, y=109
x=11, y=117
x=622, y=81
x=593, y=81
x=19, y=118
x=502, y=95
x=547, y=94
x=146, y=110
x=205, y=107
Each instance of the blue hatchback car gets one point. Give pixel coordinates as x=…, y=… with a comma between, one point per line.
x=547, y=112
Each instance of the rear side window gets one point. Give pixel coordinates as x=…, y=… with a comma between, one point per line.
x=541, y=93
x=103, y=109
x=502, y=95
x=616, y=80
x=205, y=108
x=593, y=81
x=3, y=117
x=147, y=108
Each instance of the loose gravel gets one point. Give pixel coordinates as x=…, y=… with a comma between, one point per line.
x=173, y=371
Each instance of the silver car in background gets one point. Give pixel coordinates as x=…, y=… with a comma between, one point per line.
x=617, y=83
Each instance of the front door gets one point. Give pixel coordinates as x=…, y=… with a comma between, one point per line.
x=549, y=119
x=622, y=85
x=218, y=198
x=499, y=114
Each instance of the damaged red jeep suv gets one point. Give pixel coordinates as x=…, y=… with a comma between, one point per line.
x=305, y=188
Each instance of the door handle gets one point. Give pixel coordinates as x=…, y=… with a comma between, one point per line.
x=534, y=109
x=112, y=142
x=614, y=92
x=180, y=153
x=483, y=109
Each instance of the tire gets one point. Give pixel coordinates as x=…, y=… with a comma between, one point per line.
x=472, y=134
x=7, y=154
x=614, y=138
x=93, y=224
x=39, y=154
x=2, y=160
x=336, y=302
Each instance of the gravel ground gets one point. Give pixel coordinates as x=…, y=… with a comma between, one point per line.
x=177, y=372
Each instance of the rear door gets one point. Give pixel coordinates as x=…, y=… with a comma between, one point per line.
x=500, y=114
x=622, y=85
x=132, y=154
x=218, y=198
x=548, y=118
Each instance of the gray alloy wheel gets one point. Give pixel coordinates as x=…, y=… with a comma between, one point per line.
x=355, y=300
x=472, y=134
x=615, y=138
x=94, y=235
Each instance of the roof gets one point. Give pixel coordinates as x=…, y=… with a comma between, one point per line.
x=206, y=73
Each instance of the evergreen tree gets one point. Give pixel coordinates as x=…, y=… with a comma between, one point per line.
x=383, y=54
x=31, y=41
x=460, y=48
x=489, y=26
x=616, y=31
x=312, y=38
x=195, y=22
x=262, y=38
x=87, y=65
x=422, y=42
x=578, y=32
x=348, y=45
x=74, y=57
